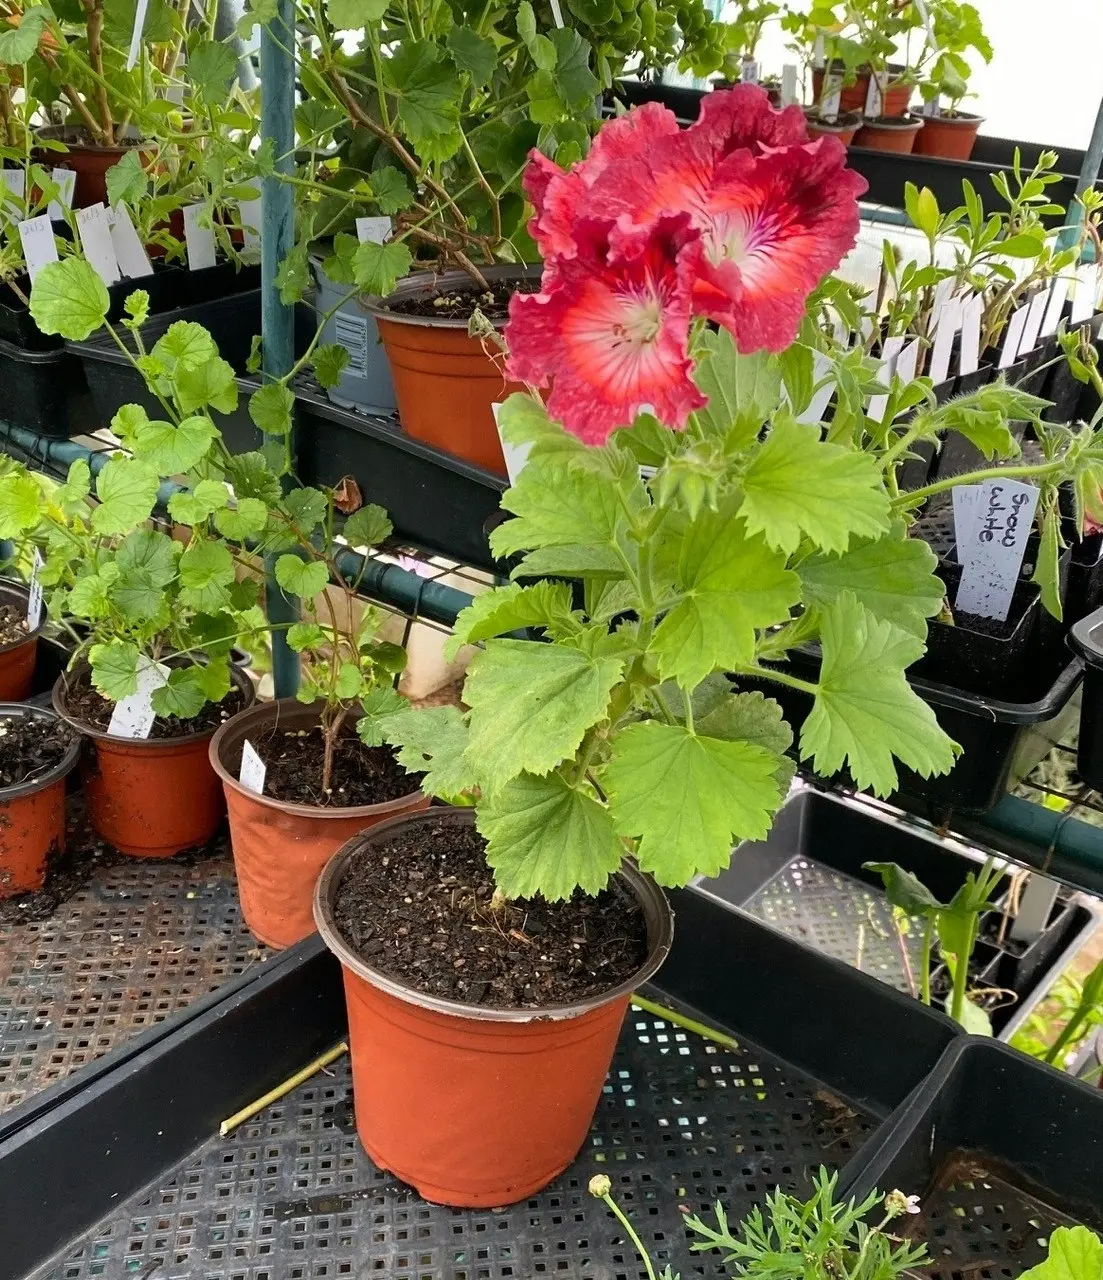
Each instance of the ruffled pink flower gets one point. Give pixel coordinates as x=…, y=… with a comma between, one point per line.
x=611, y=333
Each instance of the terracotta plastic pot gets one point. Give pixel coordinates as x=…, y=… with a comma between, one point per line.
x=844, y=127
x=444, y=380
x=32, y=816
x=475, y=1107
x=280, y=848
x=950, y=137
x=852, y=97
x=17, y=658
x=888, y=135
x=150, y=797
x=89, y=161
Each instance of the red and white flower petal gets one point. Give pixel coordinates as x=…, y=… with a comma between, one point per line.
x=731, y=119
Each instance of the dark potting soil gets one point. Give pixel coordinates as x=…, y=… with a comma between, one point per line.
x=418, y=909
x=990, y=931
x=461, y=303
x=13, y=624
x=361, y=775
x=31, y=746
x=88, y=706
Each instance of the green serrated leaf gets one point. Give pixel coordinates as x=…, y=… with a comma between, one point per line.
x=192, y=506
x=472, y=53
x=549, y=838
x=1075, y=1253
x=127, y=181
x=70, y=299
x=136, y=307
x=378, y=702
x=368, y=527
x=211, y=66
x=307, y=508
x=687, y=798
x=90, y=597
x=428, y=91
x=507, y=609
x=206, y=571
x=379, y=267
x=305, y=578
x=20, y=504
x=349, y=681
x=749, y=717
x=19, y=44
x=172, y=450
x=743, y=390
x=247, y=518
x=434, y=741
x=209, y=384
x=352, y=15
x=151, y=552
x=390, y=191
x=184, y=345
x=305, y=635
x=181, y=695
x=127, y=491
x=270, y=408
x=574, y=78
x=115, y=668
x=330, y=361
x=531, y=705
x=252, y=477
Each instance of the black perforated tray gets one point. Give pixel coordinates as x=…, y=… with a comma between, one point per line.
x=1001, y=1150
x=124, y=1177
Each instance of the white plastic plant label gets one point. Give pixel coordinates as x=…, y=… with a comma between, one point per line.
x=1033, y=327
x=1009, y=352
x=817, y=50
x=66, y=180
x=972, y=311
x=1058, y=294
x=249, y=211
x=252, y=771
x=932, y=109
x=95, y=239
x=557, y=13
x=199, y=240
x=34, y=591
x=748, y=71
x=878, y=405
x=136, y=34
x=821, y=397
x=875, y=107
x=133, y=716
x=39, y=247
x=130, y=253
x=515, y=455
x=16, y=182
x=832, y=97
x=1085, y=292
x=907, y=362
x=788, y=84
x=966, y=504
x=377, y=230
x=993, y=555
x=946, y=324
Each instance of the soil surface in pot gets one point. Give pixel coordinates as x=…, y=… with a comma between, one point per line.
x=418, y=909
x=361, y=775
x=990, y=931
x=461, y=304
x=91, y=708
x=13, y=624
x=31, y=746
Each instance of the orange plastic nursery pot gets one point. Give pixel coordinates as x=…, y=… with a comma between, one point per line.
x=88, y=160
x=445, y=381
x=889, y=135
x=17, y=658
x=475, y=1107
x=852, y=97
x=949, y=137
x=32, y=815
x=280, y=848
x=149, y=797
x=844, y=127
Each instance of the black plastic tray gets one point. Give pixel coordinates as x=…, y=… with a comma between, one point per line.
x=45, y=391
x=1000, y=1150
x=123, y=1174
x=806, y=880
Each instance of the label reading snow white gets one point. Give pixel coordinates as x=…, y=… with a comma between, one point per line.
x=376, y=230
x=351, y=333
x=39, y=247
x=788, y=84
x=130, y=253
x=95, y=238
x=199, y=240
x=515, y=455
x=993, y=554
x=133, y=716
x=252, y=771
x=34, y=592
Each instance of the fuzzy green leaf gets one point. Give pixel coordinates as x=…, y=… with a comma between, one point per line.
x=531, y=704
x=549, y=838
x=18, y=44
x=506, y=609
x=687, y=797
x=127, y=491
x=252, y=477
x=90, y=597
x=148, y=551
x=172, y=450
x=904, y=890
x=270, y=408
x=307, y=508
x=472, y=53
x=301, y=577
x=1075, y=1253
x=206, y=571
x=352, y=15
x=743, y=390
x=127, y=181
x=184, y=345
x=865, y=713
x=379, y=267
x=434, y=742
x=574, y=78
x=115, y=669
x=211, y=383
x=390, y=191
x=70, y=299
x=20, y=504
x=330, y=361
x=181, y=695
x=368, y=527
x=428, y=92
x=797, y=485
x=378, y=702
x=305, y=635
x=211, y=66
x=247, y=518
x=349, y=681
x=192, y=506
x=754, y=718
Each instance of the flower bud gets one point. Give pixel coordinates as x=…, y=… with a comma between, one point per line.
x=600, y=1186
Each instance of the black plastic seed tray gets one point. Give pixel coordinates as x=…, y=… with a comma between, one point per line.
x=126, y=1176
x=806, y=879
x=1000, y=1150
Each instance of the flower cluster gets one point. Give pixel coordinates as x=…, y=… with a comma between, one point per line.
x=735, y=219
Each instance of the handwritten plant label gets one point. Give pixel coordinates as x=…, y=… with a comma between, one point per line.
x=515, y=455
x=377, y=230
x=875, y=106
x=931, y=109
x=993, y=555
x=66, y=180
x=972, y=312
x=252, y=771
x=832, y=97
x=95, y=238
x=748, y=71
x=133, y=716
x=199, y=240
x=39, y=247
x=788, y=84
x=130, y=253
x=34, y=594
x=966, y=503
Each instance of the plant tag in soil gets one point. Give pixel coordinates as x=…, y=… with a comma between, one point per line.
x=875, y=104
x=66, y=180
x=249, y=211
x=993, y=556
x=822, y=395
x=133, y=716
x=199, y=240
x=377, y=230
x=889, y=354
x=34, y=593
x=39, y=246
x=1084, y=294
x=932, y=109
x=15, y=182
x=832, y=97
x=907, y=362
x=515, y=455
x=788, y=84
x=252, y=771
x=136, y=34
x=946, y=324
x=1009, y=352
x=1055, y=306
x=971, y=313
x=748, y=71
x=966, y=505
x=557, y=13
x=1033, y=327
x=817, y=51
x=130, y=253
x=95, y=239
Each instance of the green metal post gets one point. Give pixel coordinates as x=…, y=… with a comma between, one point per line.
x=277, y=75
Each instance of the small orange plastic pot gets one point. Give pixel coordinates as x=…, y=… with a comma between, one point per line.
x=949, y=137
x=32, y=816
x=844, y=127
x=17, y=658
x=475, y=1107
x=897, y=136
x=280, y=848
x=88, y=160
x=444, y=380
x=150, y=797
x=852, y=97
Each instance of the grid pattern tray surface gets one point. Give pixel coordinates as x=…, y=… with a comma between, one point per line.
x=141, y=939
x=292, y=1195
x=838, y=916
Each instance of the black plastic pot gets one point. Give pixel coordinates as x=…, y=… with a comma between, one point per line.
x=1020, y=964
x=16, y=325
x=1086, y=638
x=1000, y=1149
x=1084, y=593
x=45, y=391
x=172, y=286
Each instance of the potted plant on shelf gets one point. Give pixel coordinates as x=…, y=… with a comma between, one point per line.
x=741, y=40
x=490, y=953
x=956, y=30
x=21, y=623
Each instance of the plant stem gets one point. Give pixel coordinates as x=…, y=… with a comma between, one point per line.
x=918, y=496
x=331, y=731
x=925, y=960
x=961, y=973
x=631, y=1235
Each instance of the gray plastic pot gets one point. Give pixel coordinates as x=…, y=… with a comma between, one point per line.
x=366, y=382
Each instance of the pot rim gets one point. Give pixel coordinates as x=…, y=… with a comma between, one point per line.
x=62, y=769
x=646, y=891
x=843, y=121
x=75, y=137
x=259, y=711
x=962, y=120
x=894, y=124
x=16, y=591
x=57, y=697
x=424, y=282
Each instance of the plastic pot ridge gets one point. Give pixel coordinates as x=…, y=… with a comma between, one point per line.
x=17, y=658
x=475, y=1107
